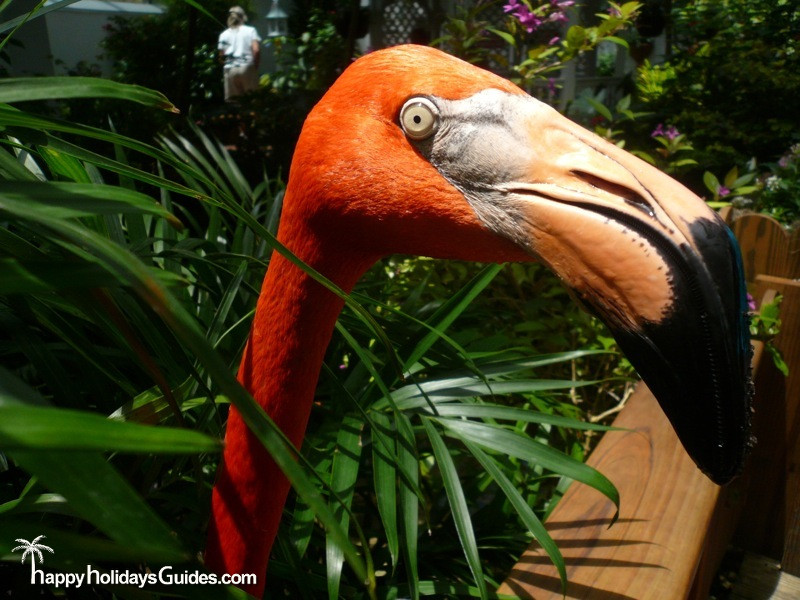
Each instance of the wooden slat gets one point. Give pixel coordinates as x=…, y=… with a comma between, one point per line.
x=772, y=261
x=653, y=550
x=767, y=248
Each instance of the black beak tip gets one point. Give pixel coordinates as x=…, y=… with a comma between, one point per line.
x=710, y=415
x=696, y=361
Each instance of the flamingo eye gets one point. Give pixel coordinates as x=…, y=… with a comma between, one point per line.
x=419, y=118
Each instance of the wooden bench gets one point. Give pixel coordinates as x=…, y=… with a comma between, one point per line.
x=674, y=524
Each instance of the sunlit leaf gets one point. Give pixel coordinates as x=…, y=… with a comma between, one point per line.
x=36, y=428
x=511, y=443
x=24, y=89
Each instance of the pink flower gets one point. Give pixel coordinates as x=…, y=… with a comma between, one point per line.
x=553, y=41
x=723, y=191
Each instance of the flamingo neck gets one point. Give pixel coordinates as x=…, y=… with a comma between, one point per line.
x=293, y=324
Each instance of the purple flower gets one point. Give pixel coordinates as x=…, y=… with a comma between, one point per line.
x=783, y=162
x=523, y=14
x=672, y=132
x=551, y=85
x=528, y=20
x=723, y=191
x=553, y=41
x=751, y=303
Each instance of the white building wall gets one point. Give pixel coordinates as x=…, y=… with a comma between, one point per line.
x=57, y=42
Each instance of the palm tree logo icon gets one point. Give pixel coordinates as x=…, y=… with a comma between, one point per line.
x=34, y=550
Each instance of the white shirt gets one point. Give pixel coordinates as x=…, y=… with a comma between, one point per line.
x=236, y=43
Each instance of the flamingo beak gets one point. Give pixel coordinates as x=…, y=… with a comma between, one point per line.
x=640, y=251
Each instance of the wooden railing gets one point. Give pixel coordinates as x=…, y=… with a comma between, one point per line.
x=674, y=524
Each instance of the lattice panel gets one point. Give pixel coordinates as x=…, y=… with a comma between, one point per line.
x=404, y=20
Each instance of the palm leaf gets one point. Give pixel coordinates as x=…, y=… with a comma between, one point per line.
x=458, y=505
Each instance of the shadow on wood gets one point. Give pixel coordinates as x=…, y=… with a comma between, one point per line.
x=638, y=557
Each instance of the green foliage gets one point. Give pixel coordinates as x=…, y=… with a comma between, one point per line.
x=780, y=196
x=110, y=306
x=609, y=122
x=765, y=324
x=652, y=81
x=732, y=80
x=310, y=61
x=470, y=35
x=672, y=153
x=546, y=59
x=182, y=42
x=445, y=370
x=732, y=185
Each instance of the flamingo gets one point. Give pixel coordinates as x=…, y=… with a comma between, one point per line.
x=413, y=151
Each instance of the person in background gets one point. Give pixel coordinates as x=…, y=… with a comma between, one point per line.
x=239, y=49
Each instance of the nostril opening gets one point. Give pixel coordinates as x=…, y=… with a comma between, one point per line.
x=630, y=196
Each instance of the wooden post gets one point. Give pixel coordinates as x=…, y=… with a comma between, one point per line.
x=772, y=527
x=773, y=524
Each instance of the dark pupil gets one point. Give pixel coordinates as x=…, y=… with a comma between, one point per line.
x=417, y=119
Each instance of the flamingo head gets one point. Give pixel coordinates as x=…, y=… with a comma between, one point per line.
x=413, y=151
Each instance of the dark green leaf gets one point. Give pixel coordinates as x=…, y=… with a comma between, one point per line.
x=458, y=505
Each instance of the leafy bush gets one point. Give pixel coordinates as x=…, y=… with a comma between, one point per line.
x=534, y=32
x=311, y=60
x=781, y=187
x=732, y=80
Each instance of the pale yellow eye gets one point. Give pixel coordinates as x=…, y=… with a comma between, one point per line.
x=419, y=118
